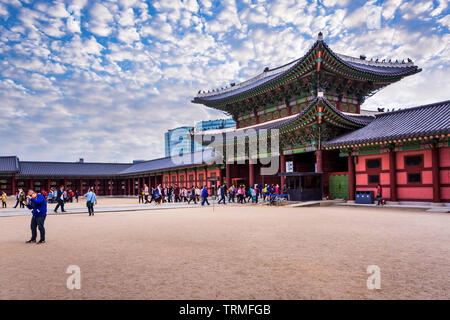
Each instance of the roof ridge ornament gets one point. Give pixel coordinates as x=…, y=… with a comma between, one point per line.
x=320, y=36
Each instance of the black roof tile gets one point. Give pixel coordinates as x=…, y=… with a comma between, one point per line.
x=190, y=159
x=411, y=122
x=9, y=164
x=38, y=168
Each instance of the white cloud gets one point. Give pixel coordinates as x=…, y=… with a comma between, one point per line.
x=88, y=64
x=101, y=20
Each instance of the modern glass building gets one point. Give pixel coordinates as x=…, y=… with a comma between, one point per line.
x=177, y=140
x=214, y=124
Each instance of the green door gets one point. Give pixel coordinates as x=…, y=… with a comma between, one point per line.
x=339, y=186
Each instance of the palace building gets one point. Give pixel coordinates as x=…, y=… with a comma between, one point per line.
x=328, y=146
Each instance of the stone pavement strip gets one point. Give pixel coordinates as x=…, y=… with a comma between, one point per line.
x=113, y=208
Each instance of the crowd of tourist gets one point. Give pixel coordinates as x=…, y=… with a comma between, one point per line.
x=172, y=194
x=236, y=194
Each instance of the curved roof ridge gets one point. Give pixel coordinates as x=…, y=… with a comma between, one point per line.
x=374, y=63
x=280, y=70
x=412, y=108
x=352, y=66
x=76, y=162
x=430, y=119
x=346, y=116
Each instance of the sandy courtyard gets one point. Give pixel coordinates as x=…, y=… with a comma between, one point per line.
x=231, y=253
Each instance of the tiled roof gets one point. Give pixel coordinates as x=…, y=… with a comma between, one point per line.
x=190, y=159
x=389, y=69
x=38, y=168
x=9, y=164
x=406, y=123
x=357, y=119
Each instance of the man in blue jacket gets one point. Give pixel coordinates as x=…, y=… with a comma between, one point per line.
x=91, y=199
x=205, y=196
x=38, y=205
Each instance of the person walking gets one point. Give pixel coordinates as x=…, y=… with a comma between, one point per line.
x=38, y=205
x=379, y=195
x=91, y=199
x=192, y=196
x=152, y=198
x=222, y=192
x=4, y=199
x=254, y=194
x=197, y=193
x=231, y=194
x=50, y=196
x=205, y=196
x=141, y=196
x=146, y=193
x=158, y=194
x=60, y=199
x=76, y=195
x=20, y=197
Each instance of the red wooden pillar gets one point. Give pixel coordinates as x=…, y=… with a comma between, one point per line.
x=156, y=181
x=351, y=177
x=48, y=185
x=111, y=185
x=178, y=179
x=228, y=174
x=393, y=175
x=282, y=170
x=435, y=163
x=133, y=187
x=13, y=183
x=206, y=179
x=65, y=184
x=319, y=161
x=31, y=184
x=220, y=177
x=96, y=185
x=251, y=174
x=149, y=182
x=81, y=187
x=186, y=185
x=195, y=177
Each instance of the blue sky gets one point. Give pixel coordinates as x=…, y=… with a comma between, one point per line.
x=104, y=80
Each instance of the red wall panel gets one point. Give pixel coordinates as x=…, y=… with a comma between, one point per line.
x=444, y=156
x=419, y=193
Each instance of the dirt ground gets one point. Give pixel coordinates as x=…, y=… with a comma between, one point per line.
x=231, y=253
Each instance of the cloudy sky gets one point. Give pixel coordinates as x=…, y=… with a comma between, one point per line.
x=103, y=80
